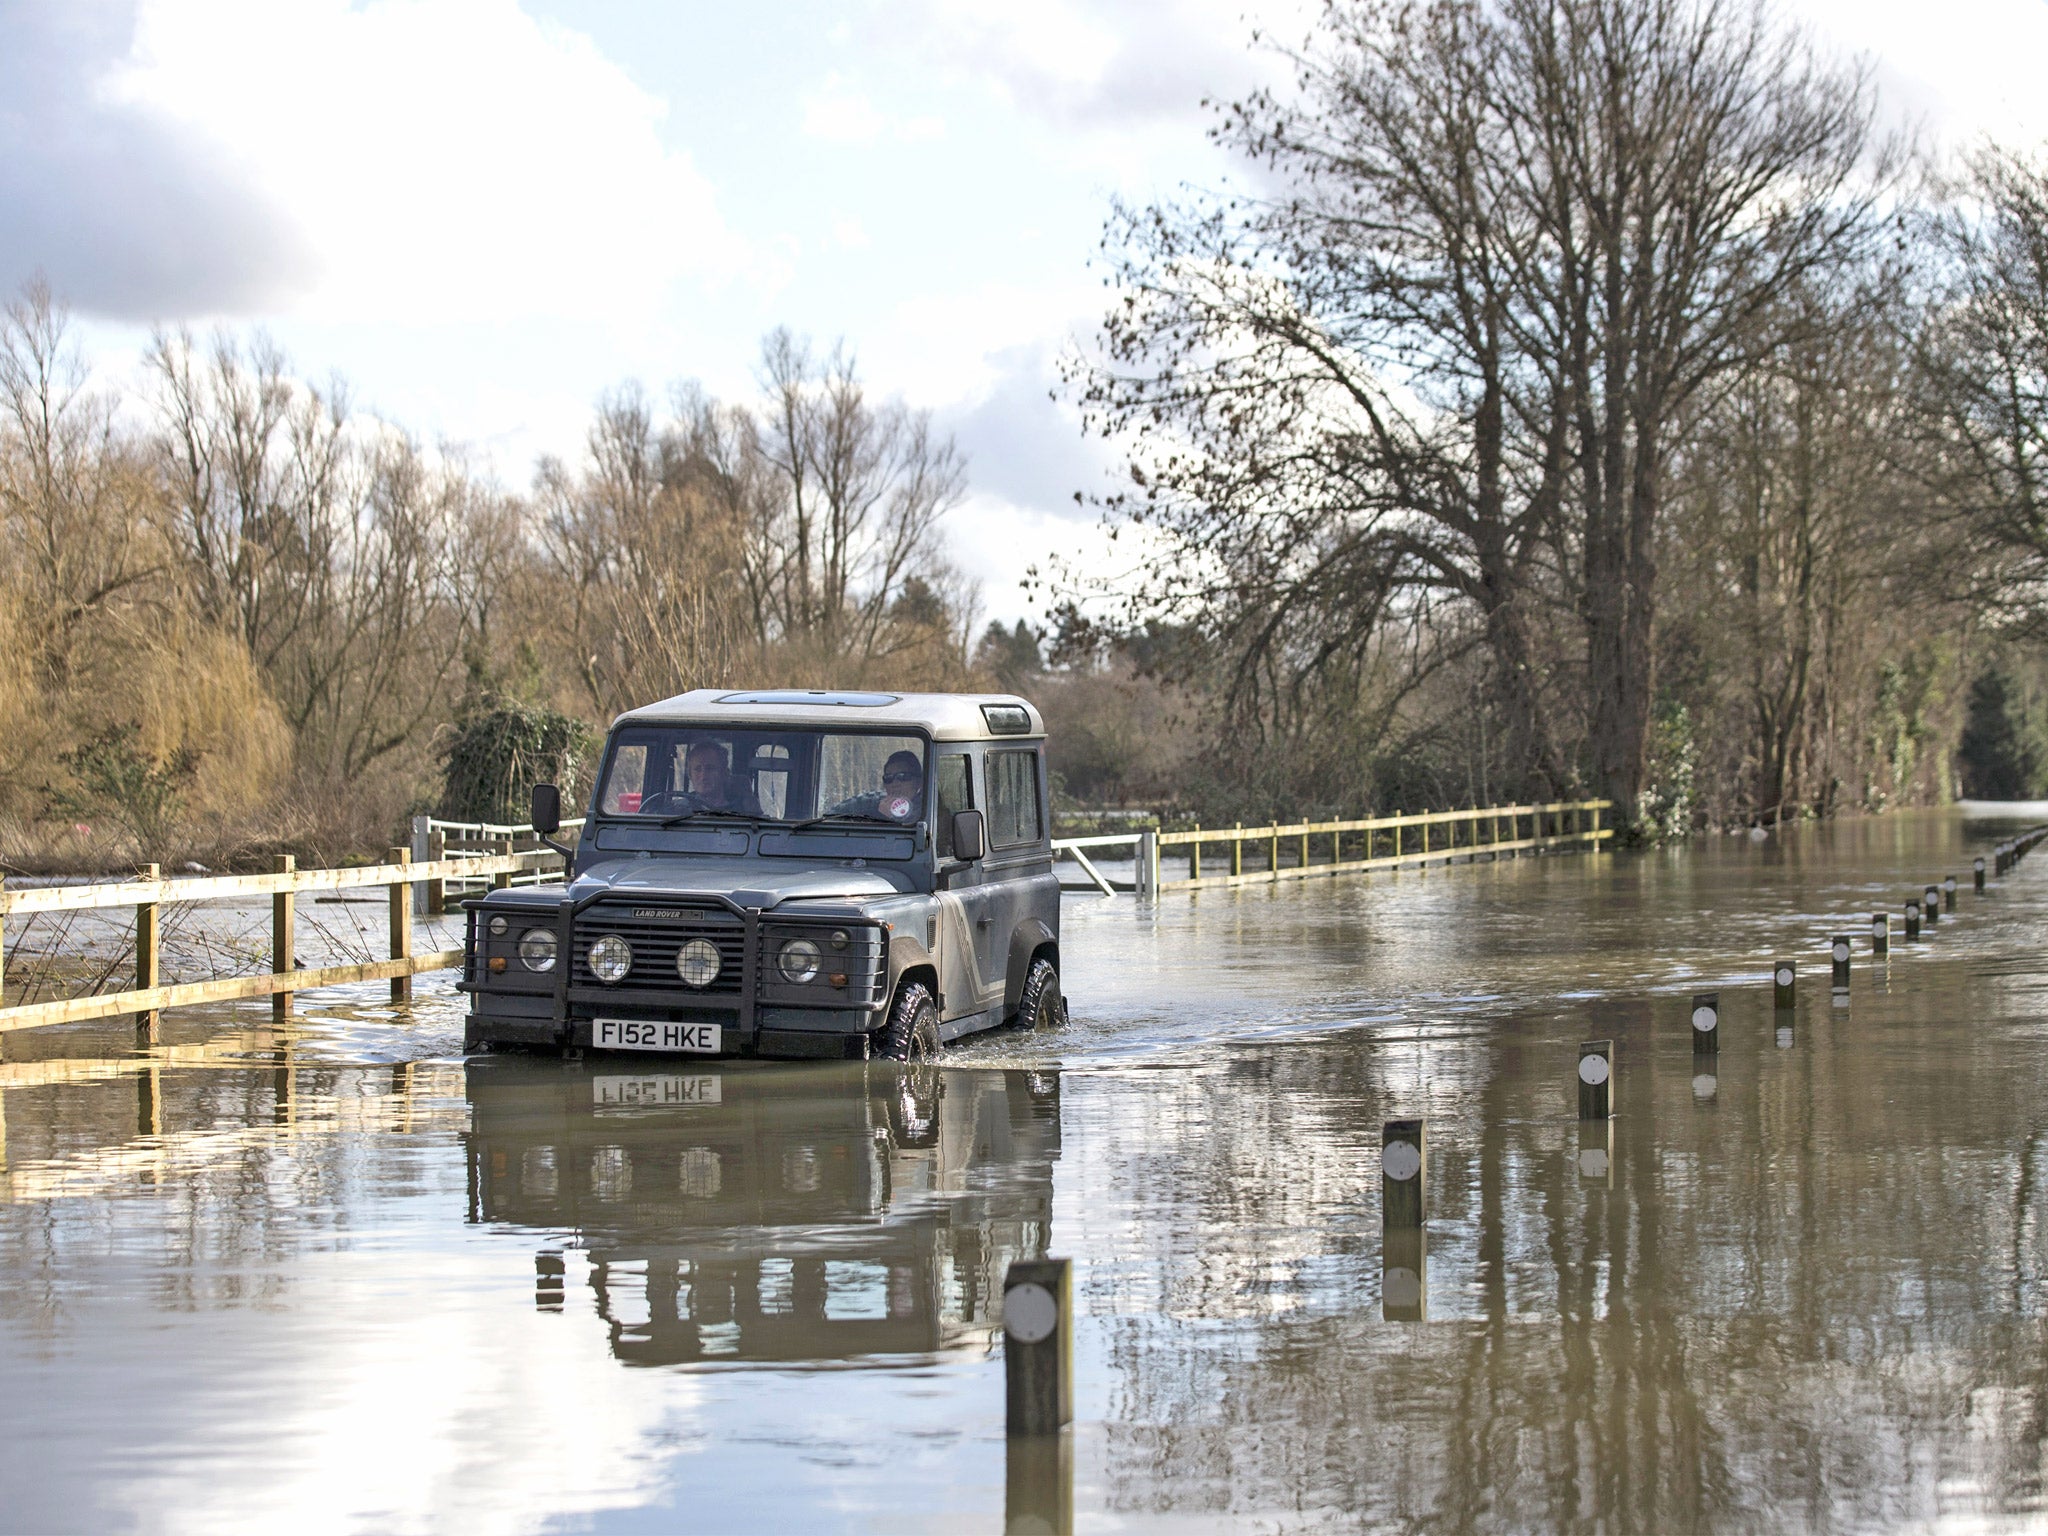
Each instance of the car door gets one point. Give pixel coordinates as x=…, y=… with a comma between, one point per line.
x=1018, y=869
x=963, y=900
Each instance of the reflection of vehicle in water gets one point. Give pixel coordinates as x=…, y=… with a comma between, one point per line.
x=742, y=1212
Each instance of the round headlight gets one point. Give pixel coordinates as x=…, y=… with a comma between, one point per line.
x=498, y=926
x=697, y=963
x=537, y=949
x=798, y=961
x=610, y=958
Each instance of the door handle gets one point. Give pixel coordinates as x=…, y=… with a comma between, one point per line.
x=983, y=922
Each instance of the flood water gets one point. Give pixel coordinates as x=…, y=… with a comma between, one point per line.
x=334, y=1278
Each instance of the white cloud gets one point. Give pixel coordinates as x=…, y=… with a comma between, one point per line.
x=445, y=159
x=840, y=116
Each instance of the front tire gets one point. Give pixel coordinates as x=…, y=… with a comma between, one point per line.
x=910, y=1040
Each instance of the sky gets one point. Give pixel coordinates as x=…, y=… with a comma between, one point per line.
x=484, y=213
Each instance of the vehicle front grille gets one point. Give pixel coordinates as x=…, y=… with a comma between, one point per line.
x=656, y=942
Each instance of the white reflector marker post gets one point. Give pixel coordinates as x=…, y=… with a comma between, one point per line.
x=1839, y=949
x=1038, y=1345
x=1977, y=874
x=1404, y=1170
x=1784, y=986
x=1912, y=919
x=1404, y=1242
x=1948, y=893
x=1881, y=934
x=1596, y=1079
x=1930, y=904
x=1706, y=1023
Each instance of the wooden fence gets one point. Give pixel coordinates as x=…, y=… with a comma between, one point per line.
x=490, y=853
x=1377, y=842
x=149, y=892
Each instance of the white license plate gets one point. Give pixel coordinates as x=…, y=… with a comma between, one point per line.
x=655, y=1035
x=652, y=1091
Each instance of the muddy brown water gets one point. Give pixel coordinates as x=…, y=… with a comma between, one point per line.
x=335, y=1278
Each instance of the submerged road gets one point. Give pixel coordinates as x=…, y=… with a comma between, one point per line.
x=336, y=1278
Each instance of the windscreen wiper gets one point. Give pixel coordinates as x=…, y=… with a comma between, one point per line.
x=859, y=817
x=707, y=810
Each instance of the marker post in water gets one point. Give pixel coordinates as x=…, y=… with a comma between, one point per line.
x=1596, y=1079
x=1784, y=986
x=1038, y=1345
x=1930, y=903
x=1912, y=919
x=1839, y=949
x=1706, y=1023
x=1977, y=874
x=1948, y=893
x=1881, y=935
x=1404, y=1171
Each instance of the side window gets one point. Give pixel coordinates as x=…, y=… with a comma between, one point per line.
x=955, y=794
x=1012, y=798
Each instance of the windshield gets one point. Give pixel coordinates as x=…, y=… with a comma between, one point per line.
x=675, y=772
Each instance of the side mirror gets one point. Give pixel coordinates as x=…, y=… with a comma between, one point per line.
x=547, y=809
x=970, y=835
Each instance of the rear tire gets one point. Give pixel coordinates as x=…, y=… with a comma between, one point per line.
x=910, y=1041
x=1041, y=1005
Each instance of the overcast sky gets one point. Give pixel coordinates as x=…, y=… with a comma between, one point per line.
x=484, y=212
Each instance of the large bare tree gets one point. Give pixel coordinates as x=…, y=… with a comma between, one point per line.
x=1442, y=347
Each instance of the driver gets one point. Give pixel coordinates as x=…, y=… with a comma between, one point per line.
x=901, y=797
x=709, y=781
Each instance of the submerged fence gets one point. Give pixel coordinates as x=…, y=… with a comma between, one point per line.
x=472, y=855
x=1309, y=849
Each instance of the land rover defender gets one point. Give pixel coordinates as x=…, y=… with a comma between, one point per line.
x=786, y=873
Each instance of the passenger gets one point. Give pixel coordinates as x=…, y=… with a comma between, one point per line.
x=710, y=782
x=901, y=797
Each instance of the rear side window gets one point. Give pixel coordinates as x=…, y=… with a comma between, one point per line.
x=1012, y=798
x=954, y=795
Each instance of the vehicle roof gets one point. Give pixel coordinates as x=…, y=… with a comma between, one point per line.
x=944, y=716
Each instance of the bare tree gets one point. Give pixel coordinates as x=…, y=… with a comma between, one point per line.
x=1445, y=352
x=850, y=506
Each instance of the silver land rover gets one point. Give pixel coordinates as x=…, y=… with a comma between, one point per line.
x=786, y=873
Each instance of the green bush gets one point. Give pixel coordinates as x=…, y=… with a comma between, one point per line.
x=501, y=750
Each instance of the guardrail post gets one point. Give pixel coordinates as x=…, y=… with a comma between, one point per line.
x=1273, y=851
x=1397, y=835
x=437, y=888
x=283, y=937
x=401, y=926
x=1237, y=850
x=148, y=937
x=422, y=844
x=1195, y=854
x=1304, y=848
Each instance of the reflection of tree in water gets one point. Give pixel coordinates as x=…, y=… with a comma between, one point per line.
x=771, y=1213
x=1778, y=1311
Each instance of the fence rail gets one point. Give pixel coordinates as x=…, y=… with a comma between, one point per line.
x=1465, y=834
x=149, y=893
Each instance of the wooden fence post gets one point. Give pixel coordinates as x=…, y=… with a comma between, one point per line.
x=284, y=913
x=1273, y=852
x=148, y=937
x=3, y=961
x=1195, y=854
x=401, y=926
x=1237, y=850
x=1397, y=833
x=1304, y=848
x=503, y=881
